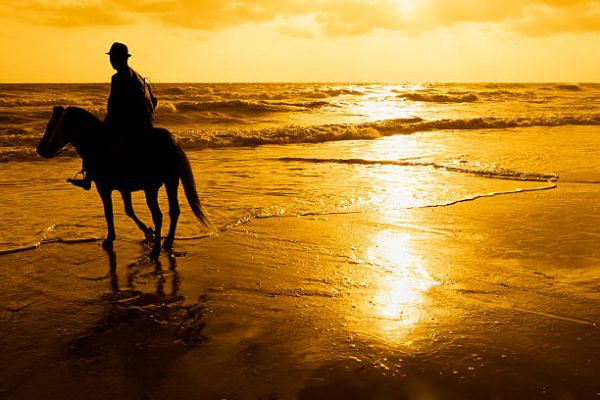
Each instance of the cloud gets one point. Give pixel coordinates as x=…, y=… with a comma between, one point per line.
x=69, y=14
x=330, y=17
x=341, y=17
x=578, y=17
x=526, y=17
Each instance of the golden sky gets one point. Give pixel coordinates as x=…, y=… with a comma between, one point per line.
x=303, y=40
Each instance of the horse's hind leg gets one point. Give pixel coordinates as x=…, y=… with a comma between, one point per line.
x=152, y=201
x=171, y=186
x=106, y=196
x=131, y=214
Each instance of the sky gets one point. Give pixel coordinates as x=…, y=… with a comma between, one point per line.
x=303, y=40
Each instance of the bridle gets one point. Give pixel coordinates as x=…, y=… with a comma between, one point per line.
x=57, y=127
x=56, y=136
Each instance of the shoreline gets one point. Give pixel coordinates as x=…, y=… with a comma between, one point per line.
x=495, y=297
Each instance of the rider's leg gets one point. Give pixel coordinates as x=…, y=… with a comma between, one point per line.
x=86, y=182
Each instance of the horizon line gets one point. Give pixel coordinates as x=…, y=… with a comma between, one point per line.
x=309, y=82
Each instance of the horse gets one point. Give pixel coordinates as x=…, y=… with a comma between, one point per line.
x=126, y=163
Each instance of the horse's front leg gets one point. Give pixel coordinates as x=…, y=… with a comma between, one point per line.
x=152, y=201
x=106, y=196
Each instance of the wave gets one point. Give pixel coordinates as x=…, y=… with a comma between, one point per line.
x=495, y=123
x=230, y=105
x=242, y=106
x=323, y=93
x=285, y=135
x=311, y=104
x=569, y=87
x=339, y=92
x=18, y=154
x=440, y=98
x=490, y=172
x=38, y=102
x=207, y=138
x=42, y=242
x=492, y=194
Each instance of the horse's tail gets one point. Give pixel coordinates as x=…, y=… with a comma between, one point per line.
x=184, y=171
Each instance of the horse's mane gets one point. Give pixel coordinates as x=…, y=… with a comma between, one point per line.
x=84, y=115
x=94, y=138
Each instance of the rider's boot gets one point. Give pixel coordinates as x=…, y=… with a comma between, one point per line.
x=85, y=183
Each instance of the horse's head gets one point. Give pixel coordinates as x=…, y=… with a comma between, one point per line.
x=69, y=125
x=54, y=138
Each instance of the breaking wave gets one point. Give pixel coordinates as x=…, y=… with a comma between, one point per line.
x=239, y=107
x=365, y=131
x=207, y=138
x=285, y=135
x=440, y=98
x=242, y=106
x=570, y=88
x=495, y=123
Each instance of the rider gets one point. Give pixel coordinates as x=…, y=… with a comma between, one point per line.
x=131, y=103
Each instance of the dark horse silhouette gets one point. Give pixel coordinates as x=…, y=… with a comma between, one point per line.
x=126, y=163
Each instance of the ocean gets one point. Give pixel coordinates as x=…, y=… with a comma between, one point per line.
x=294, y=149
x=370, y=241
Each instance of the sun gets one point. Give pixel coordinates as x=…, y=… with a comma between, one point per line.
x=407, y=7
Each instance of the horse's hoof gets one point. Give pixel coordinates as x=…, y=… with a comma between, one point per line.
x=168, y=244
x=150, y=235
x=107, y=244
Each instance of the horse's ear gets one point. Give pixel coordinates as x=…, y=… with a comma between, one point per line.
x=57, y=110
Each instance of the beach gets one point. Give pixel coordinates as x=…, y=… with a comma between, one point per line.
x=295, y=307
x=390, y=241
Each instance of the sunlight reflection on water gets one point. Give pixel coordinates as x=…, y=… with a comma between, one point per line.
x=384, y=105
x=379, y=109
x=399, y=302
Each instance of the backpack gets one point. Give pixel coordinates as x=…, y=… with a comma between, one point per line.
x=149, y=98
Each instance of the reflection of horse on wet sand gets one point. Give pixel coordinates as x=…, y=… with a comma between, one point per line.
x=126, y=164
x=142, y=331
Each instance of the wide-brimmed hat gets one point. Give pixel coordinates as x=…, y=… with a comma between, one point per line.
x=119, y=49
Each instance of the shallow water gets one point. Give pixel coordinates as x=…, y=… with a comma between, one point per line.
x=238, y=185
x=311, y=149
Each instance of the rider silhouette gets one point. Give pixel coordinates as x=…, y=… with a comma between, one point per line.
x=131, y=104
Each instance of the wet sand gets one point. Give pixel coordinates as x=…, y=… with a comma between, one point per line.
x=497, y=298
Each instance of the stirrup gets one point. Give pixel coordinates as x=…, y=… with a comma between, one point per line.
x=82, y=173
